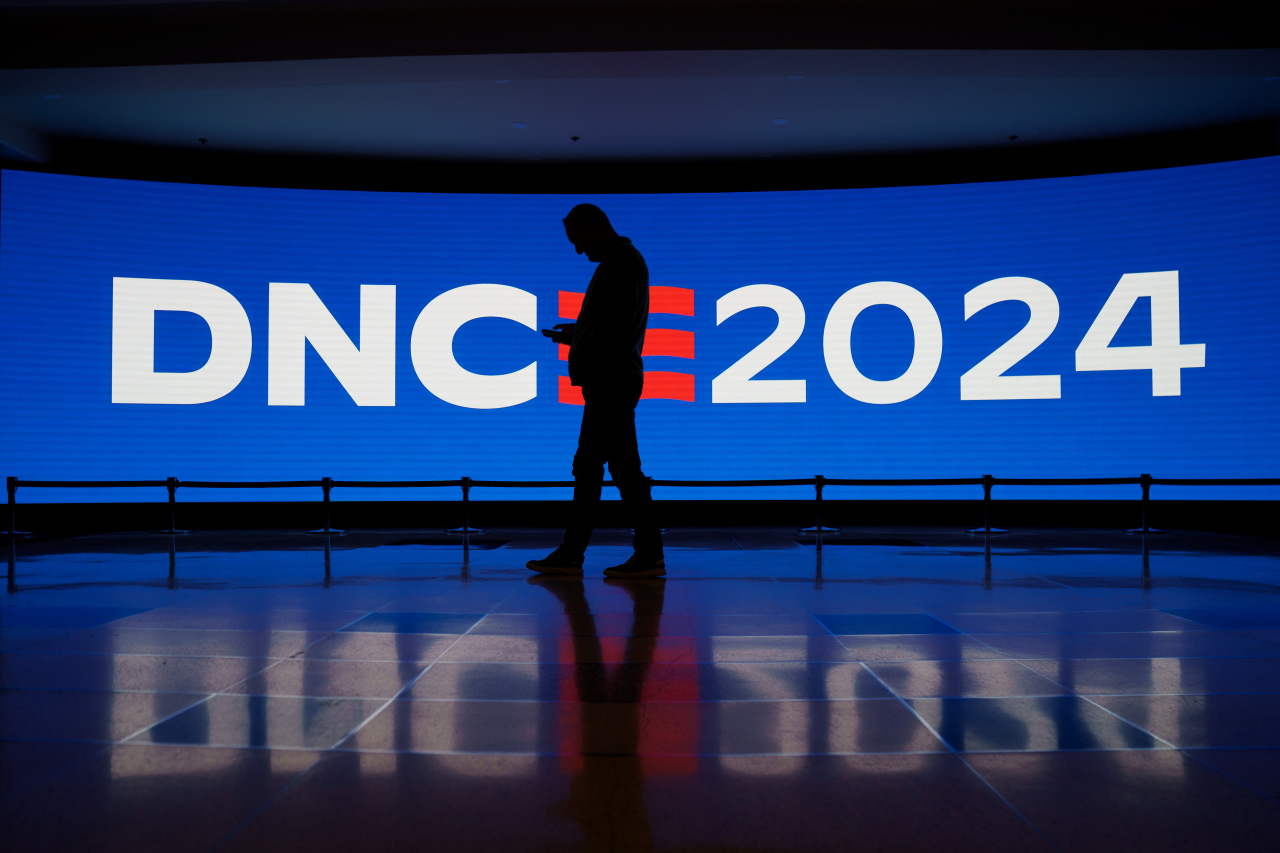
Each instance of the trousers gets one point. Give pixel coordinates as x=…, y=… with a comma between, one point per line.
x=608, y=436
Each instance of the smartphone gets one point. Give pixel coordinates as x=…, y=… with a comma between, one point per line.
x=550, y=333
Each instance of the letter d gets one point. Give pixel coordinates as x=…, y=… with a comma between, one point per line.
x=134, y=305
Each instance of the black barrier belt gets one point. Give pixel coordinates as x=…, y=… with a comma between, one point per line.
x=955, y=481
x=394, y=484
x=819, y=483
x=527, y=484
x=89, y=484
x=1066, y=481
x=280, y=484
x=544, y=484
x=1253, y=481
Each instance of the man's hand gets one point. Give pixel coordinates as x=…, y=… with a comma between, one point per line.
x=563, y=333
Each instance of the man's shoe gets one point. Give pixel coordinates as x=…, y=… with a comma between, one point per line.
x=638, y=567
x=557, y=563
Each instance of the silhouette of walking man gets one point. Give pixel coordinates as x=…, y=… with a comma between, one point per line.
x=604, y=360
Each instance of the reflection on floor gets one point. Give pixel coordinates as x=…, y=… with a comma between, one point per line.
x=259, y=691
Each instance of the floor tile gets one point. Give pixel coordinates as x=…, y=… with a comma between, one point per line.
x=1164, y=675
x=884, y=623
x=454, y=597
x=918, y=647
x=647, y=682
x=500, y=649
x=415, y=623
x=1265, y=635
x=241, y=620
x=132, y=799
x=765, y=649
x=549, y=624
x=1070, y=622
x=16, y=639
x=757, y=625
x=845, y=596
x=906, y=804
x=955, y=678
x=176, y=641
x=739, y=704
x=153, y=673
x=271, y=721
x=63, y=617
x=504, y=649
x=1105, y=802
x=360, y=645
x=861, y=725
x=1258, y=768
x=1044, y=723
x=320, y=678
x=86, y=715
x=1259, y=618
x=593, y=728
x=24, y=763
x=1217, y=720
x=1169, y=644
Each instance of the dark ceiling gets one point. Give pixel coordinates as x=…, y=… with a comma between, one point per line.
x=243, y=87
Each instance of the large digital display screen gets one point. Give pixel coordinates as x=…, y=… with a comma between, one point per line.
x=1096, y=326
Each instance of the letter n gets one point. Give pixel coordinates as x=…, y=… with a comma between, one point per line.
x=297, y=315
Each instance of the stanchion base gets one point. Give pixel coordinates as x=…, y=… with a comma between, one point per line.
x=819, y=530
x=1142, y=531
x=987, y=531
x=170, y=532
x=328, y=531
x=468, y=530
x=6, y=535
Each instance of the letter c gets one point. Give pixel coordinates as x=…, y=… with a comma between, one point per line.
x=431, y=346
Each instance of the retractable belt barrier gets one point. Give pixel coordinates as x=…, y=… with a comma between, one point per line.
x=466, y=484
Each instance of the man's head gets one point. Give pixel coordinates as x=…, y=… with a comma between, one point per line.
x=588, y=229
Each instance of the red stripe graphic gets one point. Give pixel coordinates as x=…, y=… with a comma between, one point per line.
x=570, y=304
x=673, y=342
x=570, y=393
x=664, y=385
x=671, y=300
x=658, y=385
x=668, y=342
x=662, y=300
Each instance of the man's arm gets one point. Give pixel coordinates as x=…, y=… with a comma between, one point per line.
x=561, y=333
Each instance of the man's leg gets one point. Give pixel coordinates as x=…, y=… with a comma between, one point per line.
x=588, y=474
x=623, y=453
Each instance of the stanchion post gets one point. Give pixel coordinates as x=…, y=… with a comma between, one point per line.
x=1145, y=481
x=819, y=482
x=11, y=485
x=171, y=483
x=466, y=527
x=326, y=483
x=986, y=529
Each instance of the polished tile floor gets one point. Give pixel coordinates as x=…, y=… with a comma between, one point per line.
x=251, y=691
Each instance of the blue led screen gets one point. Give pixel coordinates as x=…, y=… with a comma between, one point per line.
x=1104, y=325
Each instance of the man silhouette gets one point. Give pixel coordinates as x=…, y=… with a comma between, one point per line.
x=604, y=360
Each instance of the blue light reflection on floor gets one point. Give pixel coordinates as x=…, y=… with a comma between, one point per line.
x=1061, y=690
